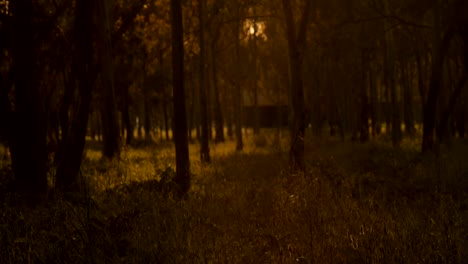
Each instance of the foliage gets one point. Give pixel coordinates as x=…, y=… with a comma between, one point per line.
x=357, y=203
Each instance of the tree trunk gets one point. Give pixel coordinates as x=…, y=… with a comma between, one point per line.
x=126, y=116
x=237, y=90
x=166, y=118
x=69, y=161
x=295, y=44
x=111, y=139
x=390, y=81
x=180, y=116
x=28, y=137
x=407, y=99
x=204, y=150
x=430, y=106
x=191, y=117
x=364, y=100
x=218, y=115
x=442, y=128
x=374, y=104
x=256, y=119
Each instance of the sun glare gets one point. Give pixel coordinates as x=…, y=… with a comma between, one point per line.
x=255, y=28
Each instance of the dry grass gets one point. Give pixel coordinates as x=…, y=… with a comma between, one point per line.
x=357, y=203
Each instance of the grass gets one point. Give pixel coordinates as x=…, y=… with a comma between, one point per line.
x=357, y=203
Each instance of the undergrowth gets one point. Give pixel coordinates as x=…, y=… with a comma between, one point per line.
x=357, y=203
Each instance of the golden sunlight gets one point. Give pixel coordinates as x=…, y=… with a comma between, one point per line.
x=4, y=6
x=255, y=28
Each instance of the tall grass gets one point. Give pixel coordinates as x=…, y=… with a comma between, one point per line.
x=357, y=203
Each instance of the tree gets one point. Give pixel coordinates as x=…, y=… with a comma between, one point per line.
x=180, y=123
x=204, y=149
x=28, y=134
x=390, y=74
x=237, y=89
x=441, y=43
x=296, y=43
x=111, y=139
x=73, y=141
x=218, y=115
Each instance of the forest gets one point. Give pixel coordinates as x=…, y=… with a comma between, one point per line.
x=233, y=131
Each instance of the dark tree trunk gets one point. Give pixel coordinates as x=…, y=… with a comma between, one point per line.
x=69, y=161
x=111, y=139
x=140, y=125
x=126, y=115
x=146, y=107
x=204, y=150
x=407, y=99
x=444, y=120
x=295, y=44
x=218, y=115
x=191, y=117
x=166, y=119
x=390, y=72
x=256, y=121
x=364, y=118
x=396, y=117
x=180, y=132
x=237, y=90
x=373, y=104
x=28, y=137
x=70, y=87
x=430, y=106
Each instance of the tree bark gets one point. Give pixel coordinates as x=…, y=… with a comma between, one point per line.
x=407, y=99
x=374, y=104
x=204, y=150
x=442, y=127
x=69, y=161
x=237, y=89
x=111, y=138
x=295, y=44
x=430, y=106
x=126, y=115
x=390, y=80
x=180, y=123
x=364, y=100
x=28, y=137
x=256, y=119
x=166, y=118
x=218, y=115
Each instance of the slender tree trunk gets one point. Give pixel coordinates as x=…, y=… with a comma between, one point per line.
x=237, y=90
x=364, y=118
x=166, y=119
x=295, y=44
x=218, y=115
x=69, y=161
x=111, y=139
x=140, y=125
x=230, y=131
x=407, y=99
x=204, y=150
x=256, y=117
x=374, y=102
x=390, y=81
x=146, y=106
x=126, y=116
x=180, y=116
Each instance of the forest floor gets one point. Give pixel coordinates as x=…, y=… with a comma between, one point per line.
x=357, y=203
